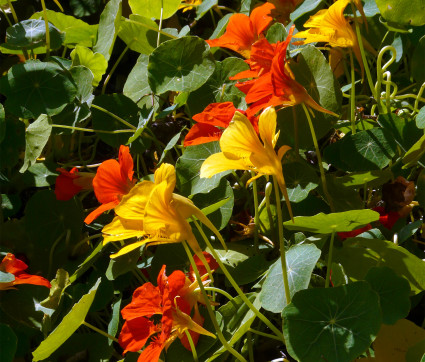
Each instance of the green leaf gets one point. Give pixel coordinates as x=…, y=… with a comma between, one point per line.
x=188, y=167
x=220, y=217
x=373, y=150
x=136, y=86
x=404, y=131
x=415, y=153
x=59, y=284
x=393, y=293
x=115, y=318
x=180, y=65
x=313, y=72
x=300, y=262
x=120, y=106
x=13, y=143
x=67, y=327
x=34, y=87
x=250, y=269
x=6, y=277
x=218, y=87
x=408, y=230
x=2, y=123
x=420, y=191
x=152, y=8
x=358, y=255
x=36, y=137
x=418, y=71
x=77, y=32
x=10, y=204
x=404, y=12
x=9, y=343
x=359, y=179
x=108, y=28
x=335, y=222
x=300, y=180
x=41, y=174
x=30, y=34
x=333, y=324
x=96, y=62
x=276, y=32
x=420, y=118
x=122, y=264
x=305, y=7
x=204, y=7
x=87, y=263
x=137, y=33
x=169, y=146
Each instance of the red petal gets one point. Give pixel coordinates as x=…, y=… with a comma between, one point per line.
x=202, y=133
x=126, y=163
x=108, y=183
x=354, y=233
x=152, y=352
x=216, y=114
x=261, y=17
x=146, y=302
x=31, y=279
x=12, y=265
x=200, y=265
x=134, y=334
x=65, y=189
x=99, y=211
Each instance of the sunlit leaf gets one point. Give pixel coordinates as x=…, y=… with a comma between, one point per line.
x=96, y=62
x=405, y=12
x=152, y=8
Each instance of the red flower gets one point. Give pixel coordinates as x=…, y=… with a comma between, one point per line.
x=275, y=85
x=113, y=180
x=211, y=123
x=243, y=31
x=174, y=298
x=387, y=218
x=70, y=183
x=16, y=267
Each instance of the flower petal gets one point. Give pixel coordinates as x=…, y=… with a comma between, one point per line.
x=218, y=162
x=126, y=163
x=132, y=205
x=121, y=229
x=99, y=211
x=202, y=133
x=267, y=125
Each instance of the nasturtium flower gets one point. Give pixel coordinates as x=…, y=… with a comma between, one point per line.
x=17, y=267
x=243, y=31
x=152, y=211
x=211, y=123
x=276, y=85
x=70, y=183
x=113, y=180
x=174, y=299
x=242, y=150
x=330, y=26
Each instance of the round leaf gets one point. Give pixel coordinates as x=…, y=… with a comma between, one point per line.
x=180, y=65
x=373, y=150
x=152, y=8
x=120, y=106
x=393, y=293
x=335, y=222
x=420, y=118
x=405, y=12
x=30, y=34
x=96, y=62
x=300, y=262
x=300, y=180
x=34, y=87
x=137, y=33
x=332, y=324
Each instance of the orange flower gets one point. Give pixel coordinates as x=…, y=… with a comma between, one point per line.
x=211, y=123
x=277, y=87
x=113, y=180
x=16, y=268
x=70, y=183
x=173, y=299
x=243, y=31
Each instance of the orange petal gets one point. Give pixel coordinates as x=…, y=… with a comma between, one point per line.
x=100, y=210
x=202, y=133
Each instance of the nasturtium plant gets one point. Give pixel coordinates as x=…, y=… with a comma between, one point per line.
x=199, y=180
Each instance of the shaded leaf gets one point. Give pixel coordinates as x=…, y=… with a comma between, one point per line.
x=9, y=343
x=404, y=12
x=300, y=180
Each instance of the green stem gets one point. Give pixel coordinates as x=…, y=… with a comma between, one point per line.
x=281, y=242
x=380, y=70
x=92, y=130
x=113, y=69
x=119, y=119
x=256, y=216
x=152, y=28
x=189, y=337
x=209, y=309
x=328, y=269
x=352, y=96
x=220, y=291
x=5, y=15
x=46, y=22
x=160, y=24
x=268, y=192
x=100, y=331
x=267, y=335
x=319, y=160
x=250, y=349
x=229, y=277
x=12, y=10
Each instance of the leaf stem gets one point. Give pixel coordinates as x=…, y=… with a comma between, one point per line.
x=281, y=242
x=220, y=291
x=113, y=69
x=5, y=15
x=352, y=96
x=189, y=338
x=328, y=269
x=268, y=192
x=256, y=216
x=319, y=159
x=100, y=331
x=267, y=335
x=93, y=130
x=119, y=119
x=12, y=10
x=209, y=309
x=46, y=22
x=229, y=277
x=160, y=23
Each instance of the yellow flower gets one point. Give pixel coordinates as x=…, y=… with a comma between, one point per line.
x=330, y=26
x=152, y=211
x=242, y=150
x=189, y=4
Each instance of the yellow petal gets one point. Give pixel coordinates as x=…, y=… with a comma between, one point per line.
x=267, y=125
x=167, y=173
x=121, y=229
x=218, y=162
x=128, y=248
x=182, y=321
x=132, y=205
x=240, y=138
